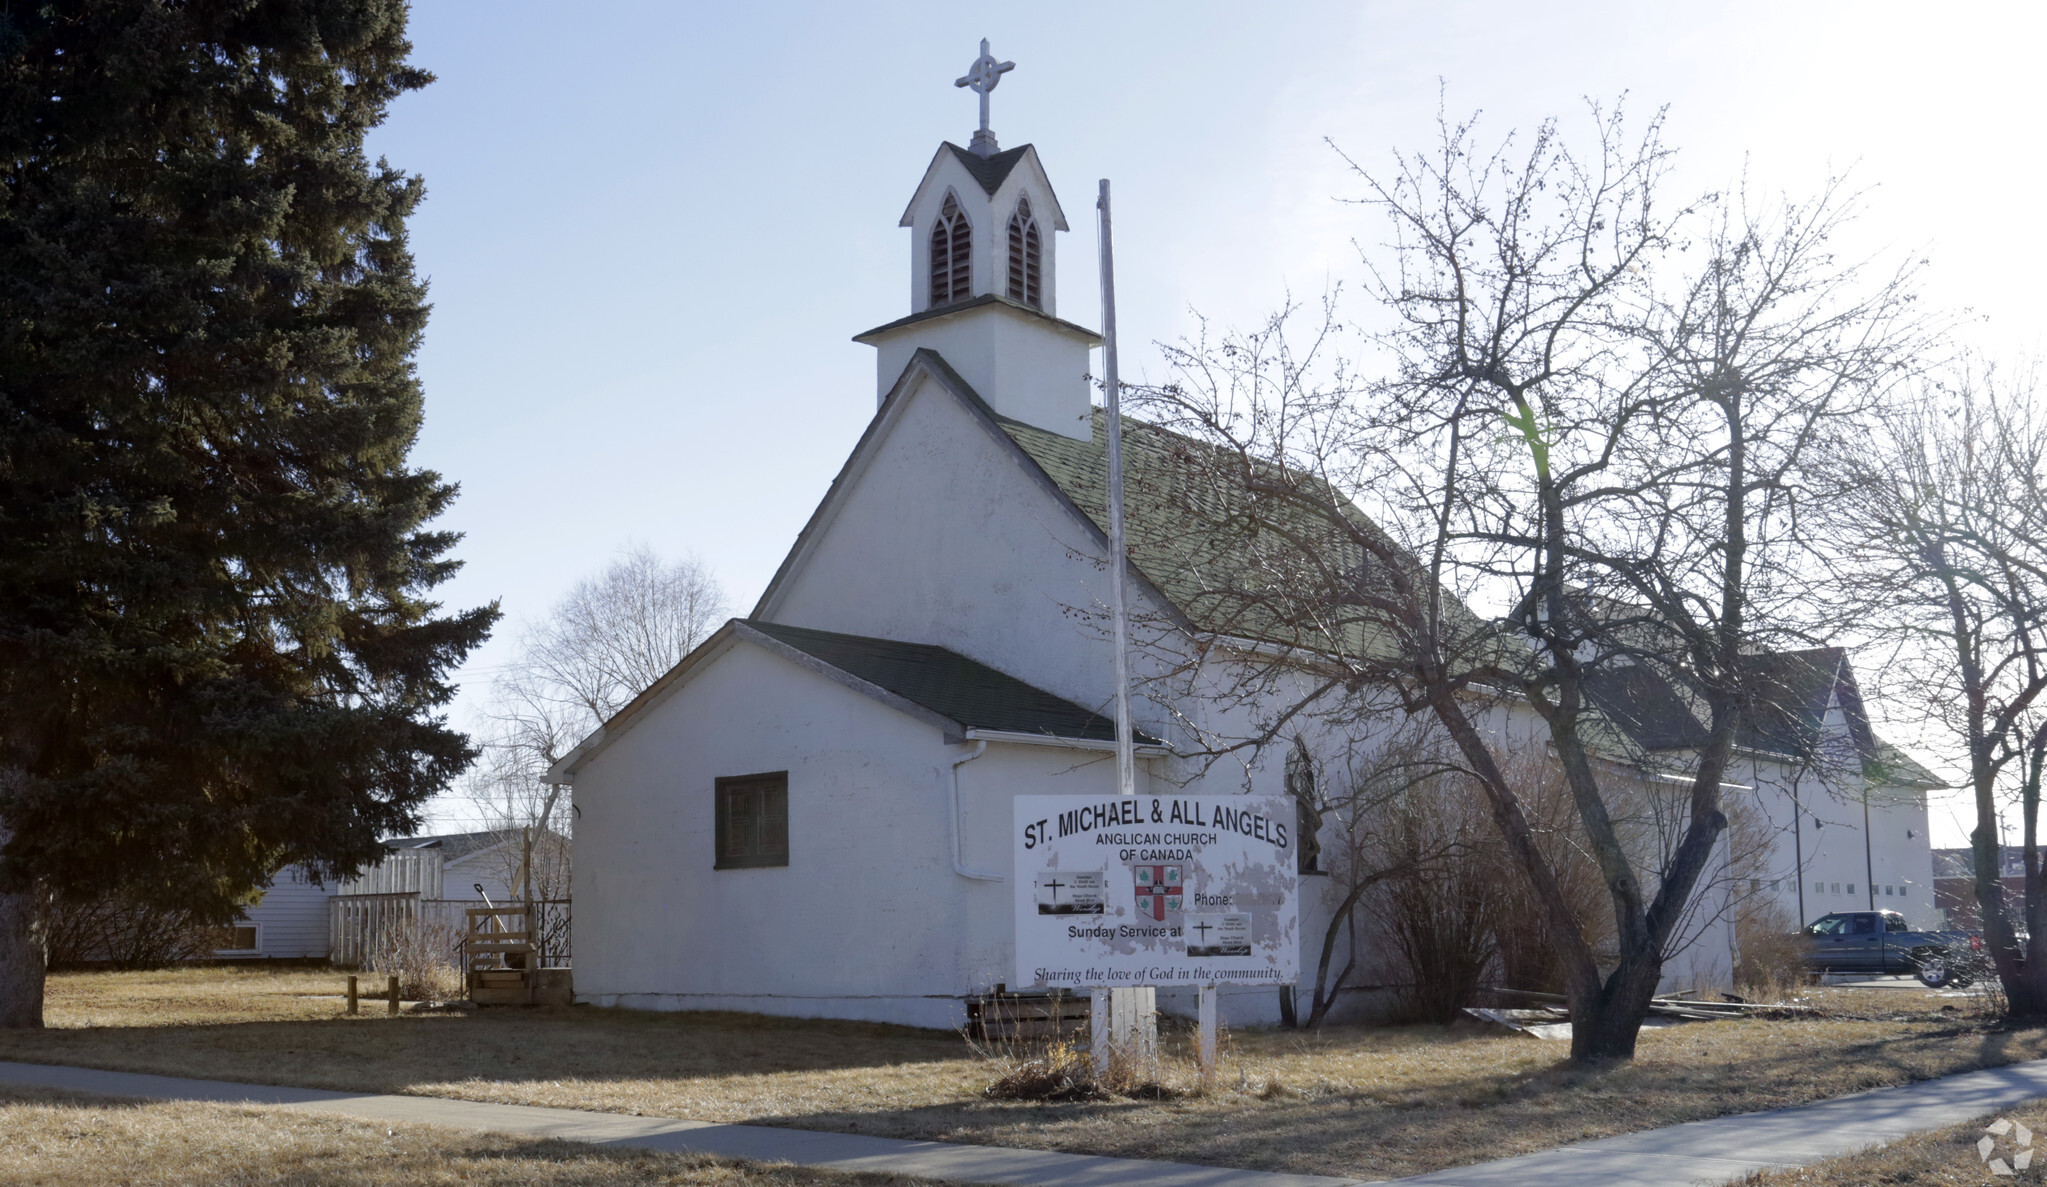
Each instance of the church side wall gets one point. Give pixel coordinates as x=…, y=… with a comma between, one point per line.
x=854, y=926
x=869, y=920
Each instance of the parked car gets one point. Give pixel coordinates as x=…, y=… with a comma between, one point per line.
x=1879, y=942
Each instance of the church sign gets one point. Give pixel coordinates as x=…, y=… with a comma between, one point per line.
x=1156, y=890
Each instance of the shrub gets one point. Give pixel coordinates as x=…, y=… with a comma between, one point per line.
x=1770, y=960
x=421, y=954
x=128, y=931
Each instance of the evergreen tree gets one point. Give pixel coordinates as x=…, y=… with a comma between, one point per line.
x=216, y=652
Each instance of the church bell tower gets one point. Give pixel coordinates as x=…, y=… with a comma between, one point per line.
x=983, y=272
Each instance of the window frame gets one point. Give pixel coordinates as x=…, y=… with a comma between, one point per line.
x=721, y=817
x=255, y=929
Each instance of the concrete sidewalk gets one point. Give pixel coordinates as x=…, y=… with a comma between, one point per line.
x=839, y=1151
x=1692, y=1155
x=1726, y=1148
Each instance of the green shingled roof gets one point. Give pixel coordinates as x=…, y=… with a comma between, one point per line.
x=949, y=684
x=1195, y=539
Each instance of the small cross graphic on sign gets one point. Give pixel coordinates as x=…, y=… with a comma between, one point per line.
x=1203, y=928
x=1055, y=884
x=982, y=77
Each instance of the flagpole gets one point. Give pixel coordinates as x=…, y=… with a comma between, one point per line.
x=1125, y=1017
x=1119, y=606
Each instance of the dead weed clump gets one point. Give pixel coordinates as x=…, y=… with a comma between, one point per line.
x=1059, y=1072
x=1062, y=1069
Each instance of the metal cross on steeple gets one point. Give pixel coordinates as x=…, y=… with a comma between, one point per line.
x=982, y=77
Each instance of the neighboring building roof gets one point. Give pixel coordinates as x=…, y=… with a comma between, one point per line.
x=453, y=846
x=1648, y=710
x=1789, y=693
x=1961, y=863
x=949, y=684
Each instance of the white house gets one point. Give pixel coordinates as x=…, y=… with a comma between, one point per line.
x=809, y=815
x=293, y=919
x=288, y=923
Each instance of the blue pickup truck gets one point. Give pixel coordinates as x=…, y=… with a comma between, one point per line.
x=1880, y=942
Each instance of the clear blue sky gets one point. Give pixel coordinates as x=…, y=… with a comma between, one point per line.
x=652, y=229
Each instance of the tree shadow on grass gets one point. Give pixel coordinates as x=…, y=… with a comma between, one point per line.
x=60, y=1138
x=373, y=1052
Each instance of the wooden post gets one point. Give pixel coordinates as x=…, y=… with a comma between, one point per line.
x=1098, y=1030
x=1206, y=1048
x=351, y=993
x=394, y=994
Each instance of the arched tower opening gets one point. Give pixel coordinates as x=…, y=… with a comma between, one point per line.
x=1026, y=257
x=951, y=254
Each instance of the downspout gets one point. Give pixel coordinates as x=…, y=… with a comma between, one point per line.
x=959, y=866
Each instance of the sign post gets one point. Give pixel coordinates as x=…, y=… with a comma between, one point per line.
x=1150, y=890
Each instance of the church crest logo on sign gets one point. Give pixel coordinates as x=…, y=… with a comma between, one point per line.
x=1156, y=890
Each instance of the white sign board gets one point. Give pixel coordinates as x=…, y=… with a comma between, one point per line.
x=1156, y=890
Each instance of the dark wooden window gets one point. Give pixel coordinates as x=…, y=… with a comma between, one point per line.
x=951, y=255
x=1025, y=256
x=753, y=821
x=1300, y=784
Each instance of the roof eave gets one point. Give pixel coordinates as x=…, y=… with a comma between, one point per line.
x=971, y=304
x=1149, y=748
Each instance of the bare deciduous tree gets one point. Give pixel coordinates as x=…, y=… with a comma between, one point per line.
x=1943, y=511
x=1596, y=418
x=603, y=644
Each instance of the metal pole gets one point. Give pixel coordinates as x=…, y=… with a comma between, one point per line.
x=1110, y=1024
x=1119, y=607
x=351, y=993
x=1797, y=839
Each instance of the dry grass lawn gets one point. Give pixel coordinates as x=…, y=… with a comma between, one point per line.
x=61, y=1140
x=1363, y=1102
x=1938, y=1158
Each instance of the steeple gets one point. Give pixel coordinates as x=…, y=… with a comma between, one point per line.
x=984, y=278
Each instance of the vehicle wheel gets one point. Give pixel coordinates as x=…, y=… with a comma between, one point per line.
x=1933, y=970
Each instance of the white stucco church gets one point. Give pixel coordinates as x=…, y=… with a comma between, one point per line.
x=810, y=814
